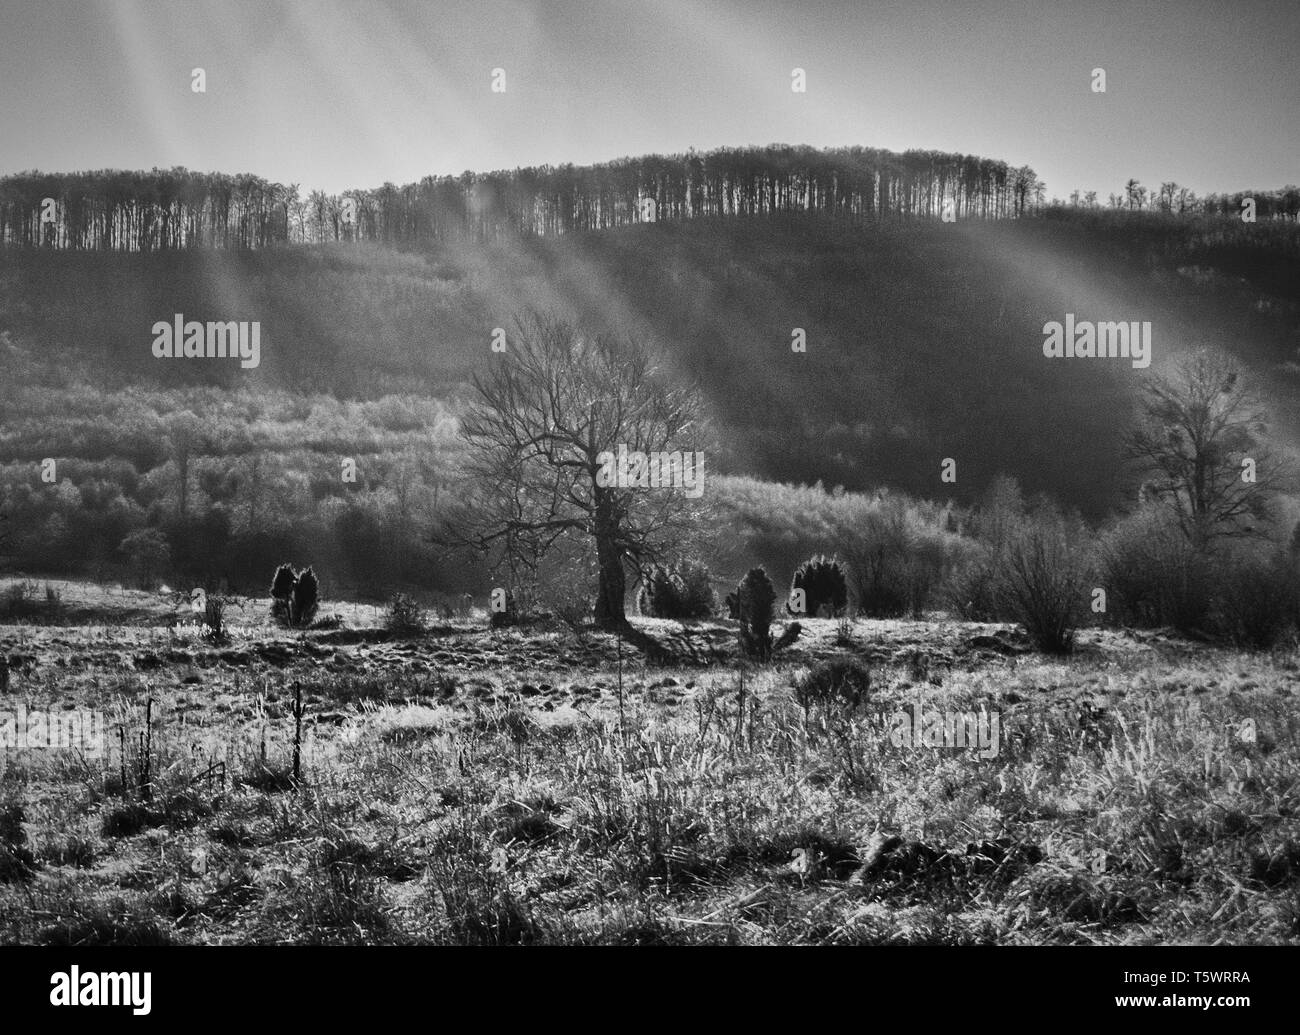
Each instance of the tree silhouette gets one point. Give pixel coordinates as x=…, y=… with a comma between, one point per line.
x=1195, y=432
x=547, y=413
x=177, y=208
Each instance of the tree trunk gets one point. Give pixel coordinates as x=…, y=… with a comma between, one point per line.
x=613, y=580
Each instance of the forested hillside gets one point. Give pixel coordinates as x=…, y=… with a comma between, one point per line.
x=923, y=342
x=165, y=210
x=170, y=209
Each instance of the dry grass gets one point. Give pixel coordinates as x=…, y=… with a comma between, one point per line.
x=1123, y=805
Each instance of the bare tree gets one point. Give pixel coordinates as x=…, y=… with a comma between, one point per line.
x=1134, y=193
x=1200, y=441
x=551, y=413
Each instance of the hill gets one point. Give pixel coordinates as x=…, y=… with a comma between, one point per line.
x=924, y=339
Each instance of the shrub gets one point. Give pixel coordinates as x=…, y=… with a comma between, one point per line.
x=149, y=555
x=844, y=632
x=1153, y=575
x=405, y=617
x=1044, y=580
x=844, y=681
x=214, y=618
x=295, y=596
x=1255, y=600
x=824, y=585
x=682, y=592
x=755, y=599
x=972, y=588
x=282, y=593
x=896, y=560
x=657, y=594
x=306, y=598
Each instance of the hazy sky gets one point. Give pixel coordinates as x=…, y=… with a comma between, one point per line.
x=351, y=93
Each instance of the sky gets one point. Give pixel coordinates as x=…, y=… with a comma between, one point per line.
x=338, y=94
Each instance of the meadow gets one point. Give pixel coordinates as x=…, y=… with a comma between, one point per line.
x=534, y=785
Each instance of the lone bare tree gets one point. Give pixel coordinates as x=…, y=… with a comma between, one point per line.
x=1200, y=442
x=554, y=414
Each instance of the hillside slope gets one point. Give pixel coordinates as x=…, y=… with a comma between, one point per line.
x=924, y=339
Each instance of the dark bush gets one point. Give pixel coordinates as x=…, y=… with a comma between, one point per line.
x=732, y=602
x=843, y=681
x=826, y=590
x=682, y=592
x=306, y=598
x=755, y=599
x=1255, y=600
x=282, y=593
x=896, y=562
x=295, y=596
x=1153, y=576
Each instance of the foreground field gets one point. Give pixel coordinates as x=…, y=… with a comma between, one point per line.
x=467, y=786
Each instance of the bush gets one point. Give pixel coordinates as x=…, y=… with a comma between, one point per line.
x=1044, y=580
x=732, y=603
x=896, y=561
x=405, y=617
x=972, y=588
x=1255, y=603
x=824, y=585
x=682, y=592
x=1152, y=574
x=844, y=681
x=295, y=596
x=282, y=593
x=306, y=598
x=755, y=598
x=149, y=555
x=214, y=618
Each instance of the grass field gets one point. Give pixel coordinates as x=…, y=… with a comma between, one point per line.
x=469, y=786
